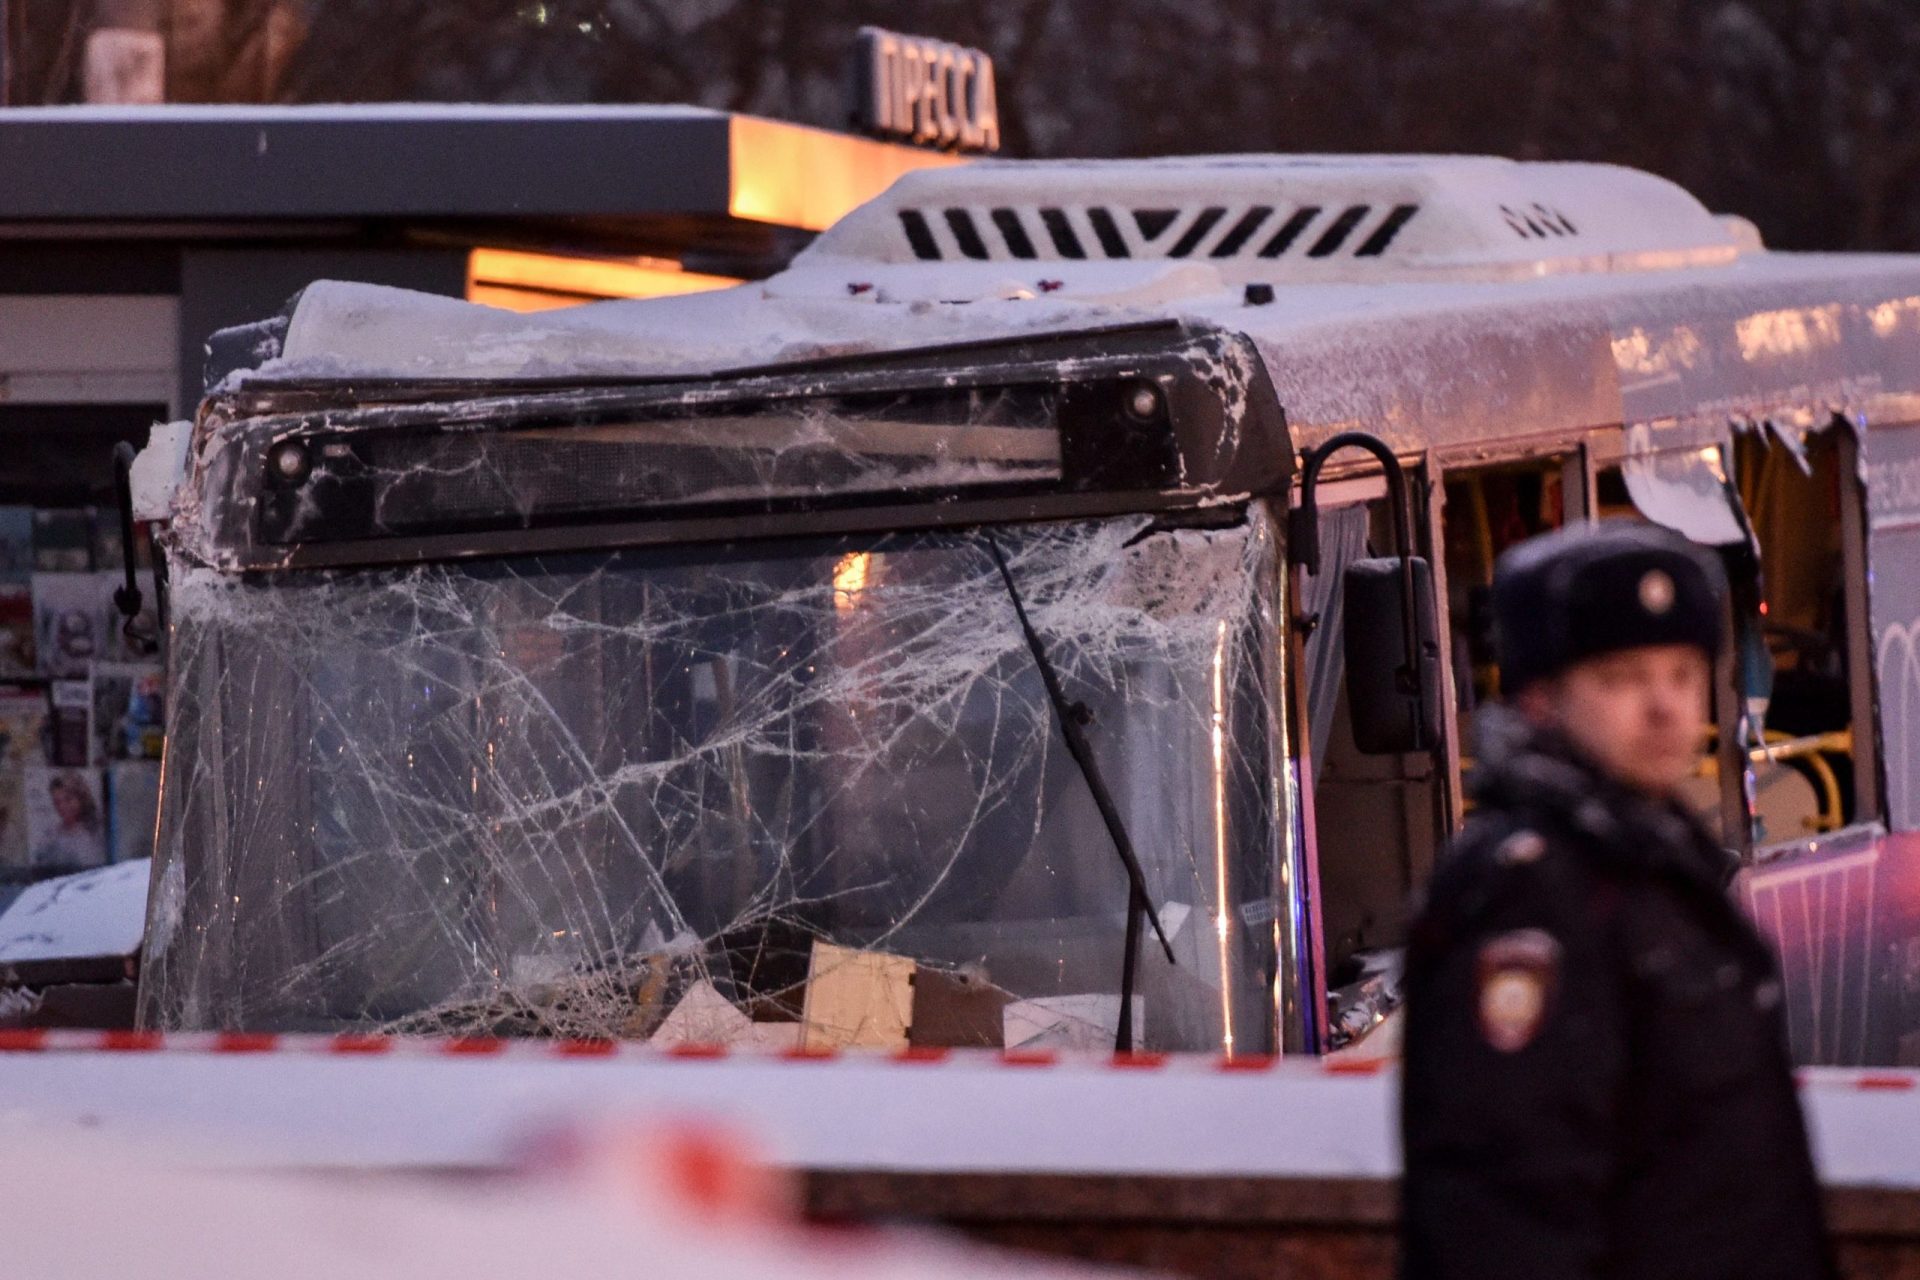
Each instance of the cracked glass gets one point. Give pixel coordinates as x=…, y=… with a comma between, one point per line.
x=658, y=793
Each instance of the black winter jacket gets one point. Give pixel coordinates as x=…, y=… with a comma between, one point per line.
x=1595, y=1081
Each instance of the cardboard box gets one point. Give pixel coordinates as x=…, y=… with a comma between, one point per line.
x=856, y=998
x=956, y=1010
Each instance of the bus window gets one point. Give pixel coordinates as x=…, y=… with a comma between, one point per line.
x=1382, y=820
x=1487, y=511
x=1802, y=500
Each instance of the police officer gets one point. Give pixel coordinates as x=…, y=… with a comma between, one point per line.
x=1596, y=1081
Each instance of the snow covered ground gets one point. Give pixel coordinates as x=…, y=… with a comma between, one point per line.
x=681, y=1203
x=475, y=1105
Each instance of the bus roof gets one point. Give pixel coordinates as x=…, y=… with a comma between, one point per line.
x=1469, y=323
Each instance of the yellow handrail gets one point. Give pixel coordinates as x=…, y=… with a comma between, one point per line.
x=1780, y=746
x=1812, y=748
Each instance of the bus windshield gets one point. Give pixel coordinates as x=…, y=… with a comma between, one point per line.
x=792, y=792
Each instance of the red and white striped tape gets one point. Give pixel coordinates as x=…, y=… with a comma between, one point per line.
x=523, y=1049
x=246, y=1042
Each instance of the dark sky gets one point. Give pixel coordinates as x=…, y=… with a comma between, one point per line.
x=1803, y=115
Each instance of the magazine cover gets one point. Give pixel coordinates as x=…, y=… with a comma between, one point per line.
x=133, y=794
x=16, y=544
x=16, y=631
x=13, y=819
x=23, y=718
x=66, y=818
x=69, y=738
x=128, y=715
x=72, y=615
x=23, y=727
x=63, y=540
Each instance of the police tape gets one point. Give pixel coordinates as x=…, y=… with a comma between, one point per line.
x=525, y=1048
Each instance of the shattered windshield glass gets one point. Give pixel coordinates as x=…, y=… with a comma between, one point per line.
x=797, y=793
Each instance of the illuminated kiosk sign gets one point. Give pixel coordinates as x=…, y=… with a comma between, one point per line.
x=925, y=91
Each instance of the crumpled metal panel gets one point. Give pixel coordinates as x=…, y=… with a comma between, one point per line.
x=1685, y=489
x=332, y=472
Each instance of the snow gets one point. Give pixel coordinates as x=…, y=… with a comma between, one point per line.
x=159, y=468
x=968, y=1113
x=92, y=914
x=1120, y=284
x=1423, y=363
x=1465, y=217
x=624, y=1201
x=1662, y=311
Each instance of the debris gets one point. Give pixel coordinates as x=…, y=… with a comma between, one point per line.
x=857, y=998
x=1086, y=1023
x=704, y=1016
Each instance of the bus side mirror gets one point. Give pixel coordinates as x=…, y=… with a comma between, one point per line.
x=1391, y=622
x=1394, y=704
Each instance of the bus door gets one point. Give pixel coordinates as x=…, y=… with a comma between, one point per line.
x=1381, y=821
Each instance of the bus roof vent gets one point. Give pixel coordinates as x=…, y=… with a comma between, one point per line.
x=1333, y=218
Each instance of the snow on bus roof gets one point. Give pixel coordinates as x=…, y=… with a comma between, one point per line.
x=1423, y=356
x=1283, y=218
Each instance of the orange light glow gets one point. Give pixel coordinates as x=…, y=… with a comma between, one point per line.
x=1793, y=331
x=850, y=579
x=519, y=280
x=793, y=176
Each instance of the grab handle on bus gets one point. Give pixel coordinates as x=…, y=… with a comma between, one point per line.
x=1392, y=637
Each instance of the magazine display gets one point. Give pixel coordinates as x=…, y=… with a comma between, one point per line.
x=66, y=818
x=63, y=540
x=23, y=719
x=73, y=622
x=127, y=711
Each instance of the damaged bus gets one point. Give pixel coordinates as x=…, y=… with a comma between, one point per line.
x=1048, y=614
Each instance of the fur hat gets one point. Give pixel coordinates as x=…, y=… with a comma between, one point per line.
x=1590, y=589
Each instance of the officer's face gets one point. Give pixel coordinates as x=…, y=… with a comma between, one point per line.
x=1640, y=714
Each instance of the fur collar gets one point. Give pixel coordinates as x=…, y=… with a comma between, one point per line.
x=1540, y=779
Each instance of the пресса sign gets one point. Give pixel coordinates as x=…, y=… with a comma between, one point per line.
x=925, y=91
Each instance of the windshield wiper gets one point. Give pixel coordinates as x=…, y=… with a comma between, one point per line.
x=1071, y=716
